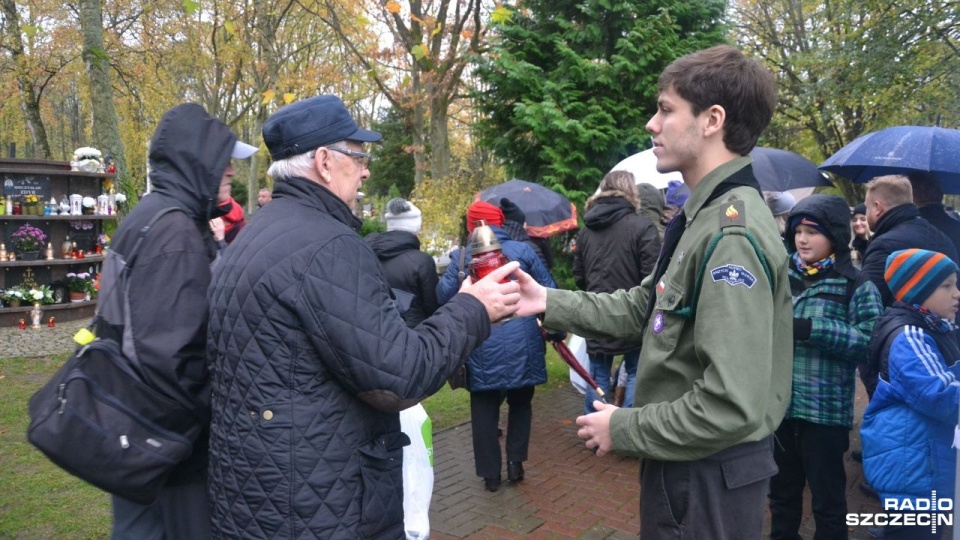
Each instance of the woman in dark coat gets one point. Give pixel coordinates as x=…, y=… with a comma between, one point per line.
x=410, y=271
x=508, y=365
x=616, y=250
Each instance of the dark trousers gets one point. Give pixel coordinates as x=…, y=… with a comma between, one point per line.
x=720, y=497
x=181, y=511
x=808, y=453
x=484, y=416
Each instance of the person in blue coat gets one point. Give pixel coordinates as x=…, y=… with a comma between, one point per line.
x=908, y=427
x=508, y=365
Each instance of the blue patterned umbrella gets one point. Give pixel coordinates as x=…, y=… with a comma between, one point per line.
x=547, y=211
x=901, y=150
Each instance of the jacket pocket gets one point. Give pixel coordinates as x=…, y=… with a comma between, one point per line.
x=381, y=472
x=742, y=471
x=666, y=323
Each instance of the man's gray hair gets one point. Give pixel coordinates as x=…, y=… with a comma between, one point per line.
x=298, y=165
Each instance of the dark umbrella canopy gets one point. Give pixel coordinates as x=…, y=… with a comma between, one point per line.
x=782, y=170
x=547, y=212
x=901, y=150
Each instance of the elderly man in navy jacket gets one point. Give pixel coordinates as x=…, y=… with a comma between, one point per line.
x=311, y=359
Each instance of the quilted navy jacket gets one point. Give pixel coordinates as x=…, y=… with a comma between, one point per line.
x=310, y=362
x=514, y=356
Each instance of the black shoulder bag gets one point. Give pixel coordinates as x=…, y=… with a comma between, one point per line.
x=99, y=420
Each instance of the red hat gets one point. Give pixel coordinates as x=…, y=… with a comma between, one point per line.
x=485, y=211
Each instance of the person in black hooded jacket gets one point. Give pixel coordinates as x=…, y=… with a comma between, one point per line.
x=190, y=170
x=407, y=269
x=616, y=250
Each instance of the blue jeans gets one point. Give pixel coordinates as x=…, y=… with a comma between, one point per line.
x=600, y=366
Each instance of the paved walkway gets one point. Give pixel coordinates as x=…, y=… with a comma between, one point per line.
x=568, y=491
x=43, y=341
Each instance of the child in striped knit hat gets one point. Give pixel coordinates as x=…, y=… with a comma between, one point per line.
x=908, y=427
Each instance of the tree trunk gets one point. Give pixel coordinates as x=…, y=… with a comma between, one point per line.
x=29, y=100
x=439, y=139
x=106, y=131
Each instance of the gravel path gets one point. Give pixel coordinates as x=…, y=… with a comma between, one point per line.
x=43, y=341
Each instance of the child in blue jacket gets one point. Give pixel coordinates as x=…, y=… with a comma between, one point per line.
x=908, y=426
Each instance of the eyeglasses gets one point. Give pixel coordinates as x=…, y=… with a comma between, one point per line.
x=362, y=159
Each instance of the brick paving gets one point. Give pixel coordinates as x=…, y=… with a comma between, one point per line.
x=568, y=491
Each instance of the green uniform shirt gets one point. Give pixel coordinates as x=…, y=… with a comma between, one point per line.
x=718, y=377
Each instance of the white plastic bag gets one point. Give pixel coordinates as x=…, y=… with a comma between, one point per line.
x=578, y=346
x=417, y=472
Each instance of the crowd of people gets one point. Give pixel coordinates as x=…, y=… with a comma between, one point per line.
x=741, y=321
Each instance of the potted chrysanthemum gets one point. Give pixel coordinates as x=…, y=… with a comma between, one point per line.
x=80, y=286
x=28, y=240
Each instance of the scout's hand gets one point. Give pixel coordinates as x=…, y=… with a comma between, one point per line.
x=533, y=296
x=500, y=299
x=595, y=428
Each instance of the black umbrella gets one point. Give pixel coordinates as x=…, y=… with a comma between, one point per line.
x=547, y=212
x=782, y=170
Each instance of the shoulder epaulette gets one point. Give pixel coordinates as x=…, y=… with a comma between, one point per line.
x=733, y=213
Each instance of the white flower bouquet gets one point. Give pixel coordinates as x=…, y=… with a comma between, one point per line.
x=87, y=159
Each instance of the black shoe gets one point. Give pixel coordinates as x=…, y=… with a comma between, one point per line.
x=868, y=490
x=857, y=456
x=492, y=484
x=515, y=471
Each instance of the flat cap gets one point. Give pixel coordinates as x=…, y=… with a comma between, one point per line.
x=310, y=123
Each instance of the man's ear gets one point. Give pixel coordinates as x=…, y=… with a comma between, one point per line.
x=716, y=118
x=321, y=164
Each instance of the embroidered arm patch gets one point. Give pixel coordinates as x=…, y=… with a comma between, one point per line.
x=733, y=214
x=734, y=275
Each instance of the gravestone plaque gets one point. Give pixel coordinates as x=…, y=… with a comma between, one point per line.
x=20, y=185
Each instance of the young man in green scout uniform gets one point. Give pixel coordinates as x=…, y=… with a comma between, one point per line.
x=714, y=375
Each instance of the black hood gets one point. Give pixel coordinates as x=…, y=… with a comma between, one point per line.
x=833, y=214
x=189, y=152
x=389, y=244
x=606, y=210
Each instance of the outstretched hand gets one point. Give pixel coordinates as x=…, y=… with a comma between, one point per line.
x=500, y=299
x=533, y=296
x=595, y=428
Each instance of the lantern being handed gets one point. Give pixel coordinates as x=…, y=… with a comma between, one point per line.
x=485, y=252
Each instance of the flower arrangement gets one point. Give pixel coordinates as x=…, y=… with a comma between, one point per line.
x=104, y=240
x=41, y=294
x=85, y=152
x=28, y=238
x=31, y=199
x=14, y=295
x=22, y=294
x=80, y=283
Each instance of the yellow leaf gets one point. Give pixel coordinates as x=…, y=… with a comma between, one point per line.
x=419, y=52
x=393, y=7
x=191, y=6
x=436, y=30
x=501, y=14
x=288, y=98
x=268, y=96
x=229, y=27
